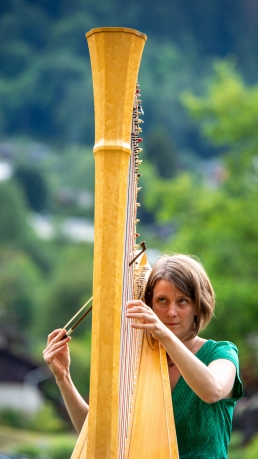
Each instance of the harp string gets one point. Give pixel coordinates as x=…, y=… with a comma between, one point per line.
x=130, y=338
x=127, y=341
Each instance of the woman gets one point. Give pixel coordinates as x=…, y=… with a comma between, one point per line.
x=204, y=374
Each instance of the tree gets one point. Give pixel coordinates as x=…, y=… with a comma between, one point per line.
x=13, y=226
x=69, y=288
x=20, y=285
x=34, y=186
x=161, y=152
x=228, y=113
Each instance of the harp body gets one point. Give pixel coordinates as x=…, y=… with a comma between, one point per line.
x=115, y=55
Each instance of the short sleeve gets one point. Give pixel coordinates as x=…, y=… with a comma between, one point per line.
x=227, y=350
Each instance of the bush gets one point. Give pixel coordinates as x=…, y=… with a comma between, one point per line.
x=61, y=448
x=45, y=420
x=13, y=418
x=31, y=451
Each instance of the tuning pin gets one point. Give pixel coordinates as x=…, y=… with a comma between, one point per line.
x=139, y=161
x=140, y=121
x=139, y=150
x=137, y=221
x=139, y=188
x=138, y=204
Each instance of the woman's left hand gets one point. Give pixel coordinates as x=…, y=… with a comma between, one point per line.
x=146, y=319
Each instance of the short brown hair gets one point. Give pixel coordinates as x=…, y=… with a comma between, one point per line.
x=188, y=275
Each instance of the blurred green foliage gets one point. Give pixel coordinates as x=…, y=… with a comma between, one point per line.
x=237, y=451
x=228, y=112
x=48, y=448
x=45, y=420
x=33, y=186
x=13, y=212
x=13, y=418
x=20, y=285
x=70, y=288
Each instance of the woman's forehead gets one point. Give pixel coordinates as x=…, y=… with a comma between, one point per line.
x=164, y=286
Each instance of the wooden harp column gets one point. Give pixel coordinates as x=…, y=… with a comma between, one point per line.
x=115, y=55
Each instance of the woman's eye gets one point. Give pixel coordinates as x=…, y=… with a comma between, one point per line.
x=162, y=299
x=182, y=301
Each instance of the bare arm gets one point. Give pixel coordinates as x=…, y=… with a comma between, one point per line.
x=57, y=357
x=211, y=383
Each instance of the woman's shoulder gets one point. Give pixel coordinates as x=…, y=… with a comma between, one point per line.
x=213, y=350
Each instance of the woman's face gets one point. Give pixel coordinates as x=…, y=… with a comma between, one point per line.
x=174, y=309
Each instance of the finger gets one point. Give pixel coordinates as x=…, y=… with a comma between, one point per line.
x=132, y=303
x=56, y=335
x=141, y=316
x=140, y=307
x=57, y=345
x=50, y=356
x=142, y=326
x=138, y=311
x=53, y=345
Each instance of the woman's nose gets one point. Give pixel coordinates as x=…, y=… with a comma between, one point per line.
x=172, y=310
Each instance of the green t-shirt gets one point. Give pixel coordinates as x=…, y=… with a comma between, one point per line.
x=203, y=429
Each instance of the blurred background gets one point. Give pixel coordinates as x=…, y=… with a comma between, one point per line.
x=199, y=181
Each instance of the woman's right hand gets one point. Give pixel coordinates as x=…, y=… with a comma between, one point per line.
x=56, y=354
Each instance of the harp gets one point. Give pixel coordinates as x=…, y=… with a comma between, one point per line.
x=130, y=413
